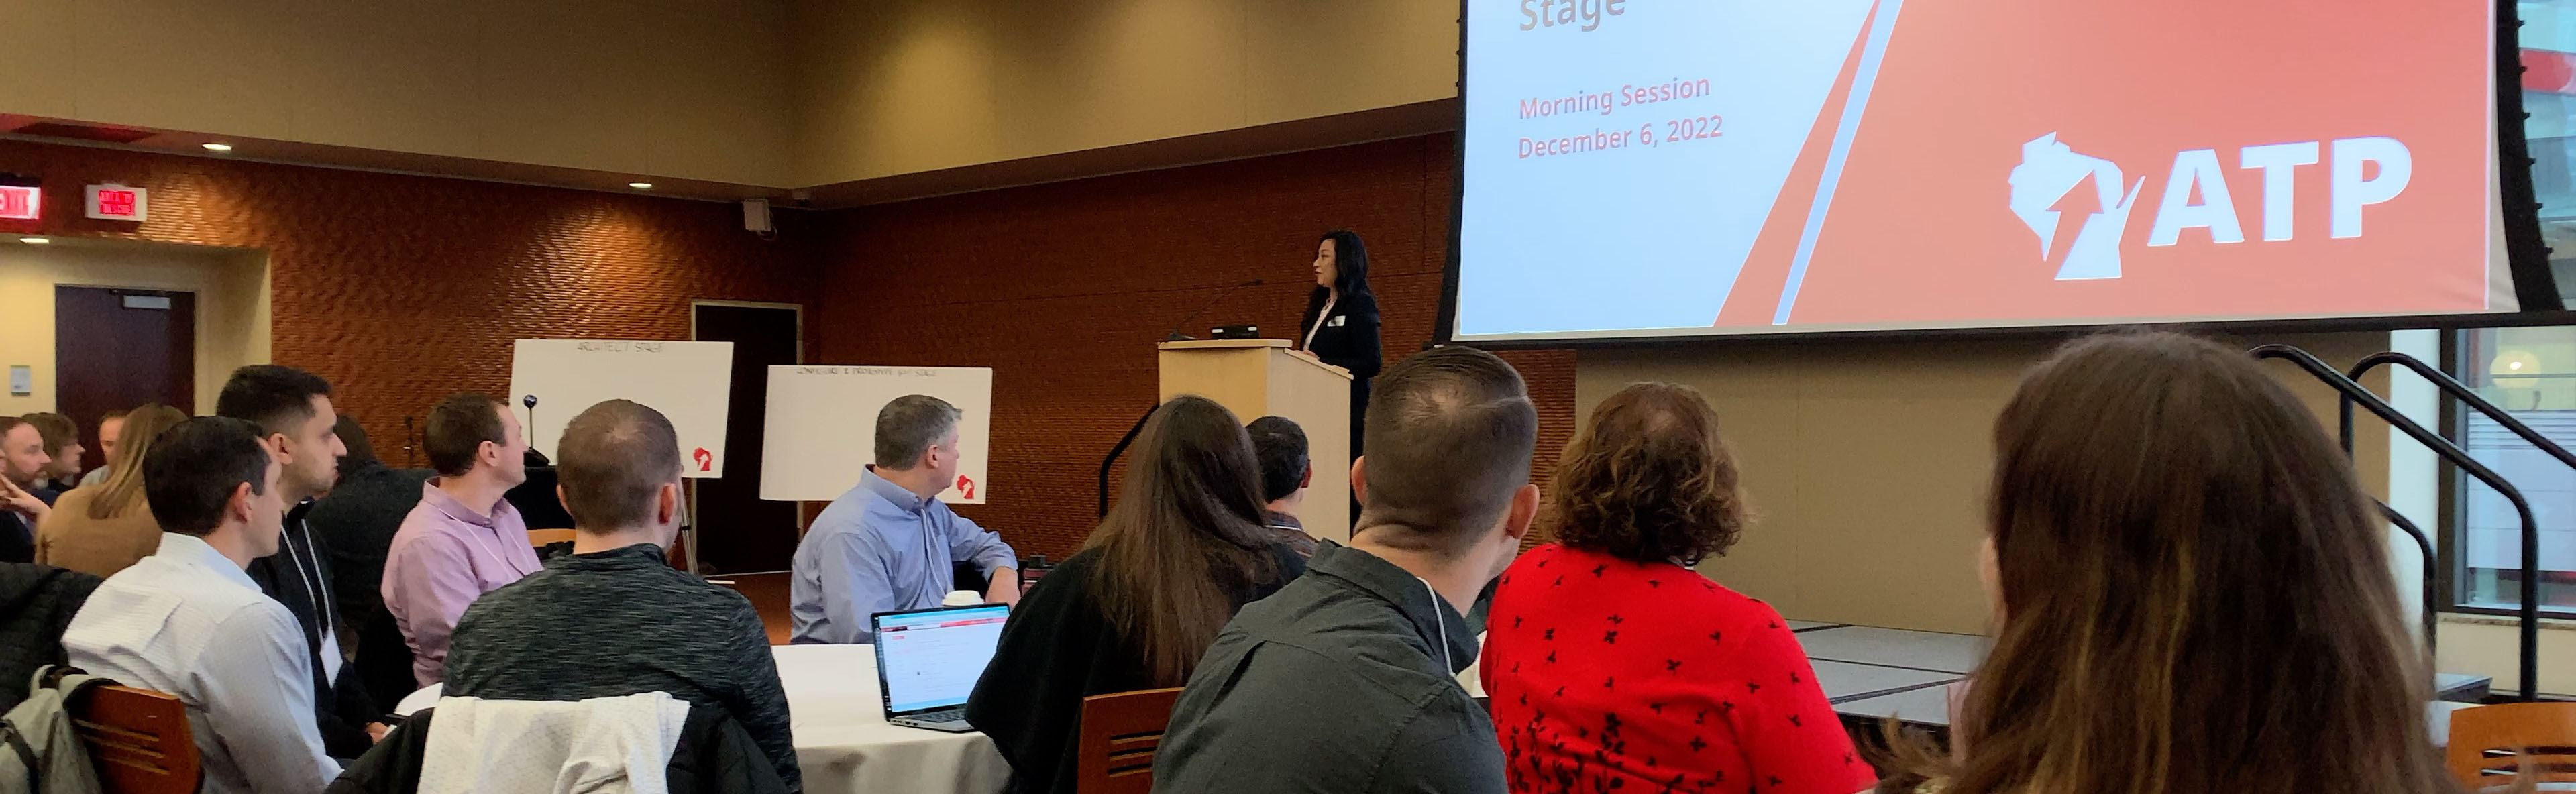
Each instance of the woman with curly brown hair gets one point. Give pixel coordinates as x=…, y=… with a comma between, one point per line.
x=1613, y=665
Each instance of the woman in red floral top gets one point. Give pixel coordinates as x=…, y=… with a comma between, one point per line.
x=1614, y=667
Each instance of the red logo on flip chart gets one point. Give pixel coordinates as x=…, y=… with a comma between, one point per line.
x=706, y=460
x=965, y=486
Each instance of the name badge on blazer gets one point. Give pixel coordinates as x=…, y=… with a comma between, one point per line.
x=1338, y=320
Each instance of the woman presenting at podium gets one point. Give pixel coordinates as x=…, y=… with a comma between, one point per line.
x=1341, y=321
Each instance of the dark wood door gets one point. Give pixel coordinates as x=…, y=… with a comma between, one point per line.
x=115, y=349
x=739, y=531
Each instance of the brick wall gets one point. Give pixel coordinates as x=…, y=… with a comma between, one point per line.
x=1065, y=288
x=403, y=288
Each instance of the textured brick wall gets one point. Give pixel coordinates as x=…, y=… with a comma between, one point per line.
x=1065, y=288
x=403, y=288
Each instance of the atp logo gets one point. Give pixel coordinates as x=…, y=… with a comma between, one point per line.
x=2364, y=171
x=2049, y=171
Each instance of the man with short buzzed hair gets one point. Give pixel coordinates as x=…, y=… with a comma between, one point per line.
x=1446, y=498
x=613, y=617
x=889, y=544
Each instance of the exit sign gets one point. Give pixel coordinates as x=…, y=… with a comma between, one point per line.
x=116, y=203
x=21, y=202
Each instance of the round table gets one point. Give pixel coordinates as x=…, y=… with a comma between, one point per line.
x=843, y=743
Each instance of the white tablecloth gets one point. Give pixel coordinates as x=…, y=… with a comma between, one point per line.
x=843, y=743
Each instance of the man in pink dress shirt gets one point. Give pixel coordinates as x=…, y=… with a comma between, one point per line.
x=463, y=539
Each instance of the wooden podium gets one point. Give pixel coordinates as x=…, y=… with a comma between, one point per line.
x=1263, y=377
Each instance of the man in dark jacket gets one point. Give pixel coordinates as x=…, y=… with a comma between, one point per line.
x=356, y=523
x=613, y=617
x=1374, y=629
x=36, y=602
x=293, y=410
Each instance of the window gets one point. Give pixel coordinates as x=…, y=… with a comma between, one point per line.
x=2531, y=373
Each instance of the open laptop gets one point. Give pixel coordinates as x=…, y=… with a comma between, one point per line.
x=928, y=660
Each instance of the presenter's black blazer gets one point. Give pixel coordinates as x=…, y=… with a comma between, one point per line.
x=1348, y=340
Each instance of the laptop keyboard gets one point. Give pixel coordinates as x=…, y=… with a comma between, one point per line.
x=950, y=715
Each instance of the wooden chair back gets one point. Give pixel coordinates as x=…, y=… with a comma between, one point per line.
x=2490, y=744
x=138, y=738
x=541, y=538
x=1119, y=733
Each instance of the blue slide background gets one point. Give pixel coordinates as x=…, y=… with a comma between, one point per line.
x=1637, y=238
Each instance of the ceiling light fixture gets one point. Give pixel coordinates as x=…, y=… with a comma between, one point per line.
x=35, y=241
x=640, y=185
x=217, y=147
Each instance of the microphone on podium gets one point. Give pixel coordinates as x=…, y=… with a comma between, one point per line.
x=1177, y=336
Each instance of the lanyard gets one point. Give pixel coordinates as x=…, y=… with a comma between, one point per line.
x=1441, y=621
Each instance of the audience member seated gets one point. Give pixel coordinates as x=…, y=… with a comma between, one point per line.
x=1345, y=680
x=100, y=529
x=1180, y=552
x=356, y=522
x=189, y=622
x=293, y=409
x=63, y=445
x=22, y=504
x=2191, y=592
x=614, y=618
x=463, y=539
x=36, y=603
x=887, y=544
x=1286, y=471
x=1614, y=665
x=110, y=428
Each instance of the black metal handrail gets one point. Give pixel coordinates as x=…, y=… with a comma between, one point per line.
x=2354, y=393
x=2432, y=592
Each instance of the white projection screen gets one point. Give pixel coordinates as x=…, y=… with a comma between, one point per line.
x=1656, y=168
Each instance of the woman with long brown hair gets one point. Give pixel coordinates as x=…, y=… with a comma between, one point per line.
x=2192, y=594
x=1179, y=553
x=103, y=528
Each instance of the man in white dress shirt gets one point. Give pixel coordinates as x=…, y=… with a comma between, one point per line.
x=189, y=622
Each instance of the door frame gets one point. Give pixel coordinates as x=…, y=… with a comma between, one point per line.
x=694, y=303
x=798, y=308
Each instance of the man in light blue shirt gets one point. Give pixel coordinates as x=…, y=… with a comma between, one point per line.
x=187, y=621
x=889, y=544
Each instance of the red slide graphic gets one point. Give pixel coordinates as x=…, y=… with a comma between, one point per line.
x=2037, y=160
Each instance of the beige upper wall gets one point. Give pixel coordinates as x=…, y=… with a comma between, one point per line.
x=1866, y=462
x=766, y=93
x=887, y=89
x=692, y=89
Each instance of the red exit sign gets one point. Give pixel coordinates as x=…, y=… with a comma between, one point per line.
x=21, y=202
x=116, y=203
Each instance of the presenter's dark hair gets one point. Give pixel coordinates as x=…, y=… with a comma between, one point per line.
x=1280, y=445
x=458, y=426
x=908, y=426
x=1449, y=437
x=614, y=458
x=1350, y=262
x=277, y=398
x=1185, y=533
x=191, y=471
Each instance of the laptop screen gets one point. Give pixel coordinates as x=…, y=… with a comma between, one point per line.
x=929, y=659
